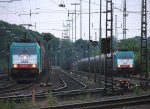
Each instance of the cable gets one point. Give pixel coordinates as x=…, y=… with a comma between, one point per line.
x=58, y=4
x=92, y=3
x=8, y=10
x=24, y=11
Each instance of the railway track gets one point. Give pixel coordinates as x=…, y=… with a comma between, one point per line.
x=12, y=88
x=70, y=82
x=7, y=86
x=90, y=105
x=17, y=87
x=69, y=86
x=3, y=76
x=4, y=83
x=22, y=90
x=66, y=91
x=116, y=82
x=106, y=104
x=64, y=84
x=133, y=81
x=57, y=94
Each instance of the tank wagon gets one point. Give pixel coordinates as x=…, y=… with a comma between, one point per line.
x=26, y=60
x=123, y=63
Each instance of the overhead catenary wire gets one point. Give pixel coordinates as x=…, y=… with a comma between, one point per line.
x=29, y=21
x=17, y=9
x=58, y=4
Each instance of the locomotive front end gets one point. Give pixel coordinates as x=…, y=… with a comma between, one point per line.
x=124, y=62
x=24, y=61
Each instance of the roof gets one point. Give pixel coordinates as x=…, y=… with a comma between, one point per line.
x=24, y=44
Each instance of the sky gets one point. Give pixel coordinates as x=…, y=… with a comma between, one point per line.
x=49, y=17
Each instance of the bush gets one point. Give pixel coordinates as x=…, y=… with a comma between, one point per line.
x=7, y=105
x=51, y=100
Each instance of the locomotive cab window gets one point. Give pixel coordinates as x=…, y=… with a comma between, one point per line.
x=125, y=56
x=25, y=50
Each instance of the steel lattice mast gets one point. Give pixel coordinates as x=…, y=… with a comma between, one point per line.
x=124, y=20
x=144, y=73
x=109, y=36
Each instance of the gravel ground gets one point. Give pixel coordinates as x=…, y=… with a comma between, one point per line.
x=90, y=83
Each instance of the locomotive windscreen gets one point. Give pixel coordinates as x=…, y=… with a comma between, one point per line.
x=125, y=55
x=24, y=50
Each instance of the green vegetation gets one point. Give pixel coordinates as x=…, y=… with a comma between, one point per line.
x=62, y=52
x=13, y=105
x=141, y=91
x=51, y=101
x=27, y=104
x=85, y=97
x=10, y=31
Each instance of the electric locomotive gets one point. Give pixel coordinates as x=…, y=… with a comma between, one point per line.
x=26, y=60
x=124, y=62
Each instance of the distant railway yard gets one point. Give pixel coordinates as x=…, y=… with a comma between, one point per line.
x=32, y=79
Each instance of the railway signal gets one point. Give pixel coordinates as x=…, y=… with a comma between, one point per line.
x=105, y=43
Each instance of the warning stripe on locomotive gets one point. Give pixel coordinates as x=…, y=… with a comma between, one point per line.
x=24, y=65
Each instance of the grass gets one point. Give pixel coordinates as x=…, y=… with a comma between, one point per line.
x=27, y=104
x=139, y=91
x=80, y=99
x=3, y=64
x=53, y=101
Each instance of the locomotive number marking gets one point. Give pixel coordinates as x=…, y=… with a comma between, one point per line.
x=24, y=61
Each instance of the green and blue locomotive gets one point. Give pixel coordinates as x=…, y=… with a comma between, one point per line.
x=26, y=60
x=124, y=61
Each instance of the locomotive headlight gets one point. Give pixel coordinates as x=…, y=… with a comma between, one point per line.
x=131, y=65
x=15, y=65
x=124, y=60
x=119, y=66
x=24, y=57
x=34, y=65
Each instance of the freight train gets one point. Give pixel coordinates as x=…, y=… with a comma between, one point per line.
x=123, y=63
x=26, y=60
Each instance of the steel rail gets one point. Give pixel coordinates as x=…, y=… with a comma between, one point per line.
x=116, y=82
x=18, y=89
x=84, y=85
x=105, y=103
x=64, y=83
x=3, y=76
x=10, y=85
x=61, y=93
x=92, y=76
